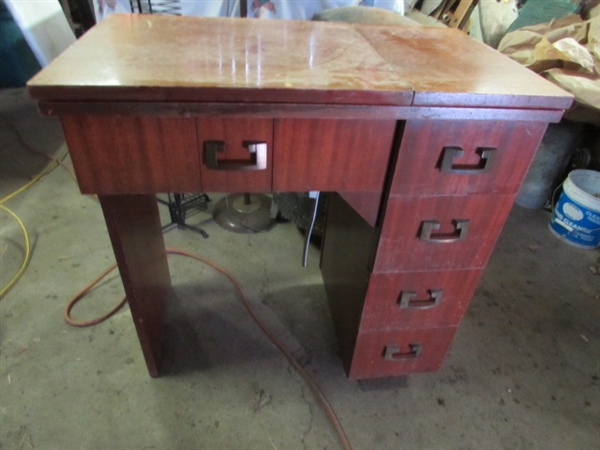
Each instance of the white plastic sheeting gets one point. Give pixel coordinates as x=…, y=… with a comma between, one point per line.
x=264, y=9
x=44, y=27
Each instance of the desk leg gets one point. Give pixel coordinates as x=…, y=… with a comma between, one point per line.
x=134, y=228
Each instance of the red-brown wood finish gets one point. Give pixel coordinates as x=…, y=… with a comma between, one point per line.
x=139, y=96
x=369, y=354
x=401, y=247
x=333, y=155
x=294, y=111
x=133, y=155
x=235, y=132
x=447, y=67
x=367, y=204
x=419, y=171
x=162, y=58
x=345, y=264
x=134, y=228
x=382, y=309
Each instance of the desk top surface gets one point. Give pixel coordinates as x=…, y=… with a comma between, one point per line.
x=193, y=59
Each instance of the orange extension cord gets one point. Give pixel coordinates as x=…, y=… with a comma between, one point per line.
x=274, y=339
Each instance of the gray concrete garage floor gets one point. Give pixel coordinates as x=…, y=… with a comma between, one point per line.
x=522, y=372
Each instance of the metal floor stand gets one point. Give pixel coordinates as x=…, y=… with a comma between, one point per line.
x=182, y=206
x=168, y=7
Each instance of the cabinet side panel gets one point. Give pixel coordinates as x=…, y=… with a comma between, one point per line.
x=366, y=204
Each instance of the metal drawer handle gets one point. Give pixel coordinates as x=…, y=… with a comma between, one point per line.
x=257, y=161
x=408, y=299
x=393, y=353
x=428, y=226
x=449, y=154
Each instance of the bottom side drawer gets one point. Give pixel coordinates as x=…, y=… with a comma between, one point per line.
x=392, y=353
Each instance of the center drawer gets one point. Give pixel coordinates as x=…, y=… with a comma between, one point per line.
x=231, y=154
x=236, y=154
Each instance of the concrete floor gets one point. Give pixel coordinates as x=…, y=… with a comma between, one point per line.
x=522, y=372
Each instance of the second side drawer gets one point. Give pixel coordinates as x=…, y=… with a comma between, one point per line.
x=440, y=233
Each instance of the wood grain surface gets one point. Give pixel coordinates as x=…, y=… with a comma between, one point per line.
x=153, y=57
x=365, y=110
x=368, y=360
x=134, y=228
x=163, y=58
x=382, y=304
x=418, y=170
x=401, y=248
x=444, y=66
x=367, y=204
x=293, y=111
x=345, y=264
x=332, y=155
x=133, y=155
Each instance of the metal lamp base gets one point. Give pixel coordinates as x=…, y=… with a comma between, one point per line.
x=244, y=213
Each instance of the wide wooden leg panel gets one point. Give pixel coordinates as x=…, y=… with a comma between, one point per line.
x=134, y=228
x=345, y=264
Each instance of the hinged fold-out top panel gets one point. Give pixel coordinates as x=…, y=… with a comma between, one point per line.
x=147, y=58
x=446, y=67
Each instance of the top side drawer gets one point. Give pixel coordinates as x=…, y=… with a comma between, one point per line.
x=456, y=157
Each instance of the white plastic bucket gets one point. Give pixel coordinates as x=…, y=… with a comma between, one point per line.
x=576, y=217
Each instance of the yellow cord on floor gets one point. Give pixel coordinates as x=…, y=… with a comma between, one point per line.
x=46, y=170
x=55, y=161
x=25, y=262
x=30, y=183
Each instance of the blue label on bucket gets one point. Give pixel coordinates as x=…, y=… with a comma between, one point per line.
x=575, y=223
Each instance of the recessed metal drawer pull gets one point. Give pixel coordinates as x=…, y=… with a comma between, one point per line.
x=429, y=226
x=408, y=299
x=393, y=353
x=257, y=161
x=487, y=155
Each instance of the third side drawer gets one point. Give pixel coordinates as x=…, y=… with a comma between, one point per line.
x=407, y=300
